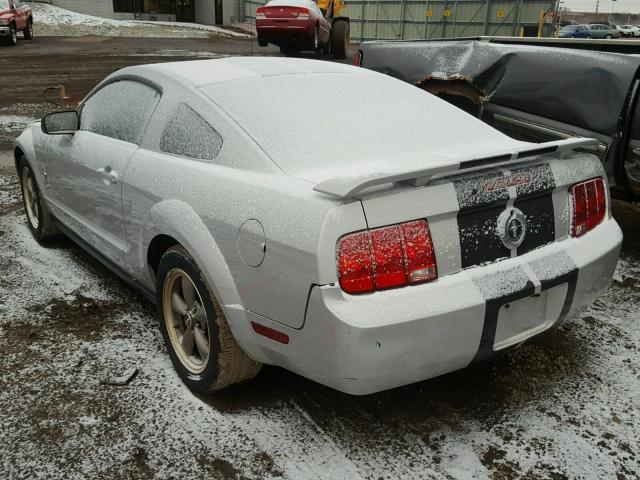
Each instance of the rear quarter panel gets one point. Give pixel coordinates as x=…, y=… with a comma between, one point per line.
x=203, y=204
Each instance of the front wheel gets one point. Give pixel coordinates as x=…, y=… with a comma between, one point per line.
x=13, y=36
x=39, y=219
x=195, y=330
x=609, y=37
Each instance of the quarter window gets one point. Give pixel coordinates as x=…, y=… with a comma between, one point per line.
x=120, y=110
x=189, y=135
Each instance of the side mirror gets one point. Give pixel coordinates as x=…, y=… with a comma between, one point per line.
x=60, y=123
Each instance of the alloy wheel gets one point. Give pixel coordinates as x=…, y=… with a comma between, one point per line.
x=30, y=198
x=186, y=321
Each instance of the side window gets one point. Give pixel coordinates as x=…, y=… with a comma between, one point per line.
x=120, y=110
x=189, y=135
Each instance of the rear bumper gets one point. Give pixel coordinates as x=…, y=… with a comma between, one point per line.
x=5, y=31
x=368, y=343
x=287, y=31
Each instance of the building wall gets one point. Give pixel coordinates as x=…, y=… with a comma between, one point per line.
x=205, y=10
x=99, y=8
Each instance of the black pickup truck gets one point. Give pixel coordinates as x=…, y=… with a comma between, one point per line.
x=535, y=90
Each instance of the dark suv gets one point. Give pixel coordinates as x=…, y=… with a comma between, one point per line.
x=15, y=17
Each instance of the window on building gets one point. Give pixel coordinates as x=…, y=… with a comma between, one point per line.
x=120, y=110
x=189, y=135
x=172, y=7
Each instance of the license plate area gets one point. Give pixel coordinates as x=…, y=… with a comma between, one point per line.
x=526, y=317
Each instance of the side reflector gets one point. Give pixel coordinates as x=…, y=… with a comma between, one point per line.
x=270, y=333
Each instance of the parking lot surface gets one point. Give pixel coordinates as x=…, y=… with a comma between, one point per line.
x=566, y=405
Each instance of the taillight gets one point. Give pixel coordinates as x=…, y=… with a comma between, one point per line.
x=354, y=263
x=386, y=257
x=357, y=59
x=589, y=205
x=260, y=13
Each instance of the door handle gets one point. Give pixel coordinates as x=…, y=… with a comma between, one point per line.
x=109, y=176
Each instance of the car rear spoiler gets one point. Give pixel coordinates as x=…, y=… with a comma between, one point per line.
x=345, y=187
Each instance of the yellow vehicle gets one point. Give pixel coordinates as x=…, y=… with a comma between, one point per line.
x=339, y=26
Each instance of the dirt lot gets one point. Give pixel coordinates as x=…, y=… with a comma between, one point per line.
x=566, y=405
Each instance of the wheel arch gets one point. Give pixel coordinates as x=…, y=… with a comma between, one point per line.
x=17, y=156
x=173, y=222
x=23, y=146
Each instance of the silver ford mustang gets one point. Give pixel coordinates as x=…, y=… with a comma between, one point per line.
x=324, y=218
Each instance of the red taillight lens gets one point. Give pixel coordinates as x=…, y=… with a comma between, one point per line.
x=260, y=10
x=386, y=257
x=421, y=259
x=355, y=263
x=589, y=204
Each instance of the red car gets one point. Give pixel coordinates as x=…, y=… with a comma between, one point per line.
x=15, y=17
x=293, y=25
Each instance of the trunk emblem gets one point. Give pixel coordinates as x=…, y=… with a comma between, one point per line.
x=506, y=182
x=511, y=227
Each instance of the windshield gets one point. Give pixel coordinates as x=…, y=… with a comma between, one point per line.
x=4, y=4
x=569, y=28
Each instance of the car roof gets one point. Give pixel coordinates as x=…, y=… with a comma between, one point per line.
x=199, y=73
x=292, y=3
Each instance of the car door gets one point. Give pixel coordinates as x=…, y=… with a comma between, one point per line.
x=85, y=183
x=631, y=165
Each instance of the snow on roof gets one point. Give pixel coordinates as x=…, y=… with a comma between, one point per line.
x=292, y=3
x=199, y=73
x=367, y=116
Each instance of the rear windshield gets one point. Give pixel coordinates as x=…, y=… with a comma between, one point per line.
x=328, y=120
x=569, y=28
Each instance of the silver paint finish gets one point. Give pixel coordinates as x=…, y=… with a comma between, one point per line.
x=358, y=344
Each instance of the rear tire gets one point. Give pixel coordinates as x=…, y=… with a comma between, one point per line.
x=195, y=330
x=609, y=36
x=28, y=32
x=340, y=38
x=263, y=42
x=39, y=219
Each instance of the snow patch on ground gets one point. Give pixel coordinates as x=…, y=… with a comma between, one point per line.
x=50, y=20
x=14, y=123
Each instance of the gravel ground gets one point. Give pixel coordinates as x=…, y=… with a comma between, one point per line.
x=566, y=405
